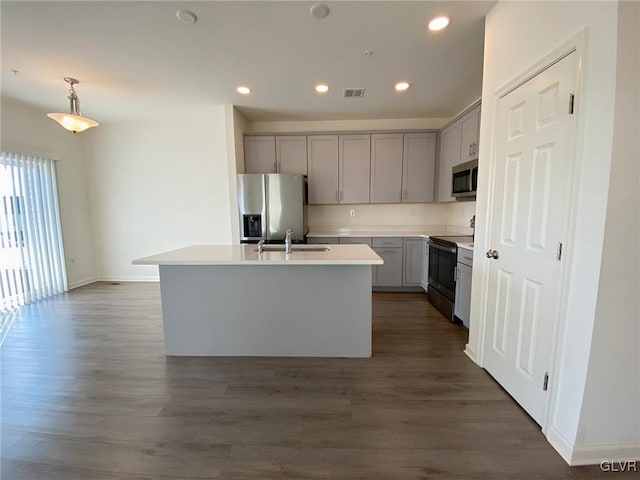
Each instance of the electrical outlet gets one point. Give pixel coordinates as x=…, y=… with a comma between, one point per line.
x=352, y=213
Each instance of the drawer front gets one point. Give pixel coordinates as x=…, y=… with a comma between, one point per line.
x=392, y=242
x=465, y=256
x=355, y=240
x=323, y=240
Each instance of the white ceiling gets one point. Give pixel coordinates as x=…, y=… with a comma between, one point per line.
x=135, y=60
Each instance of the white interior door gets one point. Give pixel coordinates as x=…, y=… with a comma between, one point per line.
x=531, y=201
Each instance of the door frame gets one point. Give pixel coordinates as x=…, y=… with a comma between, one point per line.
x=577, y=44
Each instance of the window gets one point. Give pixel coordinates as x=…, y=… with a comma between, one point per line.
x=31, y=254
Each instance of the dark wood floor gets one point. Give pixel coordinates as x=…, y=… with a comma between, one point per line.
x=87, y=393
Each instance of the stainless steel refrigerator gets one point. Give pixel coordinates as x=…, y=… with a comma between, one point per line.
x=271, y=203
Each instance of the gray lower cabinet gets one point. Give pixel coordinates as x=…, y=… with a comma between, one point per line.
x=355, y=240
x=390, y=250
x=412, y=262
x=425, y=263
x=405, y=259
x=464, y=270
x=390, y=273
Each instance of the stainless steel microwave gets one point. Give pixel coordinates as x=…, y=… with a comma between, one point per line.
x=464, y=179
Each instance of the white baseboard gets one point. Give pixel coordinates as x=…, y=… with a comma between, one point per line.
x=135, y=278
x=82, y=283
x=470, y=352
x=595, y=454
x=591, y=454
x=561, y=444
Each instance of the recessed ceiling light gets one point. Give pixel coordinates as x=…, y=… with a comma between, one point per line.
x=243, y=90
x=402, y=86
x=321, y=88
x=186, y=16
x=438, y=23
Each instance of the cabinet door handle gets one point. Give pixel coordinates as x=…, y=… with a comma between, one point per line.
x=341, y=195
x=276, y=166
x=337, y=197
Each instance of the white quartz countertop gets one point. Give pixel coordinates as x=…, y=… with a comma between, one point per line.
x=246, y=254
x=466, y=246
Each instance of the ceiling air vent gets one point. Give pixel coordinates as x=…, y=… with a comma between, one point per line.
x=353, y=92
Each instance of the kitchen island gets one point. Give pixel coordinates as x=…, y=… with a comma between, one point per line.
x=231, y=300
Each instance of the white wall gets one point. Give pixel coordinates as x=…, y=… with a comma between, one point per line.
x=613, y=379
x=349, y=125
x=236, y=126
x=156, y=187
x=27, y=130
x=517, y=35
x=240, y=126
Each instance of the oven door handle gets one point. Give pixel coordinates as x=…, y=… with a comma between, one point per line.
x=442, y=247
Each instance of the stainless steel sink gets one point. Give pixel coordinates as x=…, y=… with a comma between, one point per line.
x=296, y=248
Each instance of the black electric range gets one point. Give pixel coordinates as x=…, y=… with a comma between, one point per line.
x=443, y=258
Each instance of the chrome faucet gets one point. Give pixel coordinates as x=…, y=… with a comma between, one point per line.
x=260, y=243
x=287, y=241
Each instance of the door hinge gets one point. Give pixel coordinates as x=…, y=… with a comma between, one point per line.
x=571, y=102
x=546, y=381
x=559, y=251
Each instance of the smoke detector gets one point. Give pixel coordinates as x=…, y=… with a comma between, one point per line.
x=186, y=16
x=319, y=10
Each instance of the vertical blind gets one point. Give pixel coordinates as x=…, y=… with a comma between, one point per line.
x=31, y=253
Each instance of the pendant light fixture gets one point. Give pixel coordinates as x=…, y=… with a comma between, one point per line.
x=73, y=121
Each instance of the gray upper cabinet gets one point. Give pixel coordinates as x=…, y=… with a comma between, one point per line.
x=458, y=144
x=470, y=128
x=351, y=169
x=354, y=168
x=386, y=168
x=418, y=167
x=260, y=154
x=450, y=141
x=322, y=160
x=291, y=154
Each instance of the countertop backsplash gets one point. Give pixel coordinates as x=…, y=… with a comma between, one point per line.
x=455, y=216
